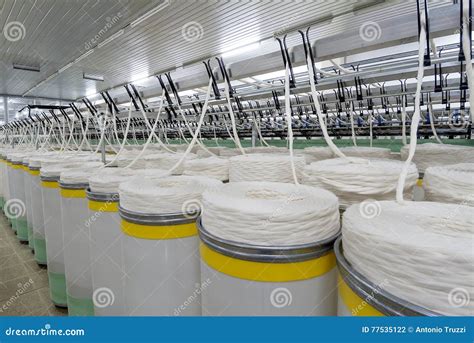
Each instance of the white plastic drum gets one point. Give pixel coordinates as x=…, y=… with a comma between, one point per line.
x=161, y=265
x=246, y=280
x=29, y=215
x=54, y=240
x=76, y=238
x=16, y=209
x=108, y=277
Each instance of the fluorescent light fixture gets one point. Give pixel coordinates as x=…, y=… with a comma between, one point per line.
x=67, y=66
x=111, y=38
x=84, y=55
x=26, y=67
x=91, y=91
x=241, y=50
x=92, y=77
x=187, y=93
x=150, y=13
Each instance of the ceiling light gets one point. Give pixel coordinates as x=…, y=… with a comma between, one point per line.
x=150, y=13
x=241, y=50
x=26, y=67
x=92, y=77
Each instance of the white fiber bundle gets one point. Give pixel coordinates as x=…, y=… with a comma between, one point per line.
x=127, y=157
x=55, y=169
x=270, y=213
x=166, y=161
x=452, y=183
x=366, y=152
x=264, y=167
x=355, y=180
x=214, y=167
x=108, y=180
x=229, y=152
x=432, y=155
x=267, y=150
x=316, y=153
x=420, y=252
x=213, y=151
x=80, y=174
x=172, y=194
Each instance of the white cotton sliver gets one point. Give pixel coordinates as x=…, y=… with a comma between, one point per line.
x=214, y=167
x=432, y=155
x=163, y=195
x=264, y=167
x=451, y=183
x=420, y=252
x=80, y=175
x=355, y=180
x=166, y=161
x=366, y=152
x=314, y=154
x=270, y=213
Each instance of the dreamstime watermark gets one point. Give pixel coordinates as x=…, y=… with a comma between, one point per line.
x=111, y=21
x=44, y=331
x=192, y=31
x=105, y=206
x=192, y=208
x=192, y=298
x=14, y=31
x=370, y=31
x=15, y=208
x=368, y=299
x=370, y=208
x=459, y=297
x=281, y=297
x=103, y=297
x=22, y=288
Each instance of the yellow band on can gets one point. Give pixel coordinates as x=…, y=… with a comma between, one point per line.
x=17, y=166
x=267, y=272
x=355, y=304
x=159, y=231
x=9, y=164
x=50, y=184
x=419, y=182
x=34, y=172
x=103, y=206
x=73, y=193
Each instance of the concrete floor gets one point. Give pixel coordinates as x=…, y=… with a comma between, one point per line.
x=24, y=289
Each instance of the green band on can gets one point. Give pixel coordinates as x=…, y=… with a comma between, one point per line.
x=40, y=250
x=57, y=288
x=2, y=202
x=22, y=229
x=80, y=306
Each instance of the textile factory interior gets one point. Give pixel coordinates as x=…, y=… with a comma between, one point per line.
x=228, y=158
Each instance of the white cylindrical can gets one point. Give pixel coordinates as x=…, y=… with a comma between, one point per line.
x=248, y=280
x=357, y=296
x=54, y=239
x=161, y=264
x=108, y=277
x=76, y=240
x=9, y=188
x=16, y=207
x=29, y=216
x=39, y=240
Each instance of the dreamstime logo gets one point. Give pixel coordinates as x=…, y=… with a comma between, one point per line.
x=281, y=297
x=192, y=208
x=192, y=31
x=458, y=297
x=457, y=123
x=15, y=208
x=370, y=31
x=370, y=209
x=14, y=31
x=110, y=22
x=103, y=297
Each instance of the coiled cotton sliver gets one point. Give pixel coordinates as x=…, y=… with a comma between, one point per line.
x=214, y=167
x=80, y=175
x=270, y=213
x=166, y=161
x=450, y=184
x=54, y=169
x=173, y=194
x=314, y=154
x=420, y=252
x=356, y=180
x=264, y=167
x=107, y=180
x=366, y=152
x=432, y=155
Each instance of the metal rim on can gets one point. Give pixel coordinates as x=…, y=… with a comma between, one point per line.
x=381, y=300
x=163, y=219
x=49, y=178
x=34, y=168
x=102, y=197
x=73, y=185
x=261, y=253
